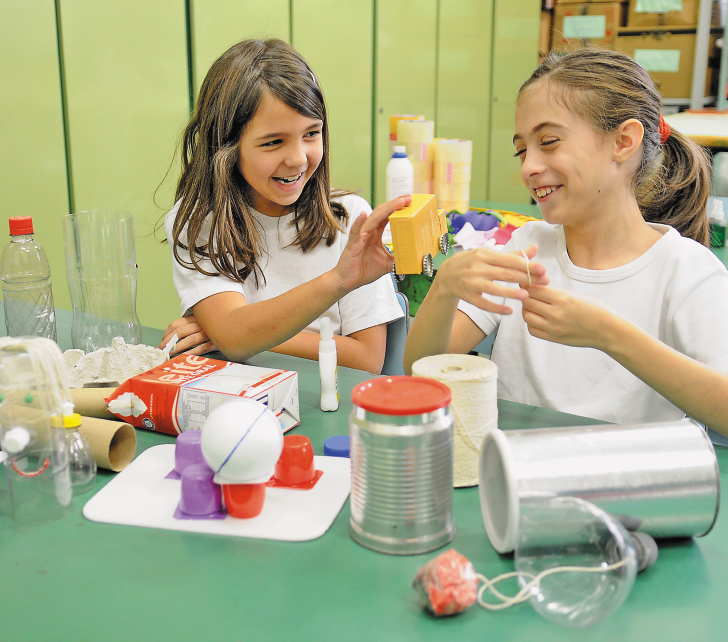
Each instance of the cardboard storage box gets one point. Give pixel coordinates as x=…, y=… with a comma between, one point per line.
x=668, y=57
x=576, y=25
x=684, y=13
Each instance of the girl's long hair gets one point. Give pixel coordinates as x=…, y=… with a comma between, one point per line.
x=211, y=184
x=606, y=88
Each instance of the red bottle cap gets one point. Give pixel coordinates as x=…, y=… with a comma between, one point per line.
x=20, y=225
x=401, y=395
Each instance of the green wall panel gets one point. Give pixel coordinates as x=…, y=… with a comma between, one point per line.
x=515, y=56
x=127, y=100
x=33, y=161
x=342, y=62
x=217, y=25
x=405, y=71
x=463, y=81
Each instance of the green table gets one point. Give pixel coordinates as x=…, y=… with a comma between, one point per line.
x=79, y=580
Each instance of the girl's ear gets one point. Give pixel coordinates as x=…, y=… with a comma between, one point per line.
x=628, y=139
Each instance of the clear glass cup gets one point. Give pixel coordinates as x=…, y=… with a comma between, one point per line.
x=570, y=532
x=102, y=278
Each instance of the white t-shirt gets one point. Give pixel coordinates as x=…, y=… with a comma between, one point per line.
x=677, y=291
x=285, y=268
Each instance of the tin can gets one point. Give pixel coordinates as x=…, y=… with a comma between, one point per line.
x=660, y=478
x=401, y=432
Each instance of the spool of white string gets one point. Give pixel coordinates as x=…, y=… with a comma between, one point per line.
x=473, y=382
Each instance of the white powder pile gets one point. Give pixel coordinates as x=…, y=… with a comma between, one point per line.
x=110, y=365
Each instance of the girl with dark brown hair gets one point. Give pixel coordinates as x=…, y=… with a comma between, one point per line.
x=262, y=249
x=623, y=318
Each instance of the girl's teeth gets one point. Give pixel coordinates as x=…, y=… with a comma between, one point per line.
x=288, y=181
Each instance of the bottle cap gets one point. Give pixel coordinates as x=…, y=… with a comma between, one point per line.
x=400, y=151
x=67, y=421
x=337, y=446
x=401, y=395
x=716, y=210
x=326, y=331
x=20, y=225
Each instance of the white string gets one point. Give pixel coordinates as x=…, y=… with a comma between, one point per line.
x=525, y=593
x=528, y=269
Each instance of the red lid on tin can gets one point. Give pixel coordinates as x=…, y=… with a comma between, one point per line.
x=401, y=395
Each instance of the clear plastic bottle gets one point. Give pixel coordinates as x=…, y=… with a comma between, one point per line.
x=400, y=174
x=26, y=277
x=80, y=455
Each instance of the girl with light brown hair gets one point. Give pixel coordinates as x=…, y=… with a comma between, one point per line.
x=623, y=315
x=262, y=248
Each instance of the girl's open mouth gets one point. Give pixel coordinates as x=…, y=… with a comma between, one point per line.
x=542, y=193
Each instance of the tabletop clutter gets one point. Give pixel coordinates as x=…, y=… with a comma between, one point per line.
x=578, y=506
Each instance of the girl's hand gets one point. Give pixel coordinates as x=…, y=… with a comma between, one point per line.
x=365, y=258
x=564, y=317
x=191, y=338
x=467, y=275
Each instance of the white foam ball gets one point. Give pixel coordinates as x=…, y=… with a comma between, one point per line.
x=242, y=441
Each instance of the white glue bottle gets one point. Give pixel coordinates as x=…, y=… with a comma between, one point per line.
x=327, y=367
x=400, y=174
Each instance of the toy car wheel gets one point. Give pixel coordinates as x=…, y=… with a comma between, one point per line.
x=445, y=243
x=427, y=266
x=397, y=277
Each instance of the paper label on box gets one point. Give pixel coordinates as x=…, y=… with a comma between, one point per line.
x=583, y=27
x=657, y=6
x=658, y=59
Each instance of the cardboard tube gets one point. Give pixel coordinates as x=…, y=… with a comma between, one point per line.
x=91, y=402
x=113, y=442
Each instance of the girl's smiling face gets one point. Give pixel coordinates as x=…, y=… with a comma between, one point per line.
x=278, y=152
x=567, y=166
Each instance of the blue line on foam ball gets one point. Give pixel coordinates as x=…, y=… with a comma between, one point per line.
x=241, y=440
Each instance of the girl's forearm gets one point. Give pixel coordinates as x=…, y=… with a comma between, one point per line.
x=241, y=331
x=432, y=327
x=350, y=352
x=697, y=390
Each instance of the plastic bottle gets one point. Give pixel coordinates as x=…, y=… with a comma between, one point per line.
x=717, y=221
x=81, y=457
x=328, y=368
x=400, y=174
x=26, y=277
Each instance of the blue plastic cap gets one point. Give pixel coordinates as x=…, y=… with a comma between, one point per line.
x=399, y=155
x=337, y=446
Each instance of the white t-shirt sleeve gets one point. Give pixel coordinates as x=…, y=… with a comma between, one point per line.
x=371, y=304
x=192, y=286
x=699, y=322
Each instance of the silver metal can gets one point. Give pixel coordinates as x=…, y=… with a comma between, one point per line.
x=401, y=432
x=660, y=478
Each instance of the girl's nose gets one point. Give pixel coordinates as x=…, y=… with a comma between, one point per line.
x=296, y=155
x=531, y=166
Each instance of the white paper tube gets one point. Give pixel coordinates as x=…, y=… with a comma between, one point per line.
x=451, y=172
x=454, y=150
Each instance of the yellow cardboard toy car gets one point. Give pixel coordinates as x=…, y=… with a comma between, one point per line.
x=418, y=232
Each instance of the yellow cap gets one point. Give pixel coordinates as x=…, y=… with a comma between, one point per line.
x=67, y=421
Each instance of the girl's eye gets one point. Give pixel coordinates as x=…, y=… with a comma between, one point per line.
x=272, y=143
x=313, y=134
x=520, y=152
x=549, y=142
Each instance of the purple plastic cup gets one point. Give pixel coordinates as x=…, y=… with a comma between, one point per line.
x=200, y=495
x=187, y=451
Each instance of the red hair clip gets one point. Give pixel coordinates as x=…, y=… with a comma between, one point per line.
x=664, y=130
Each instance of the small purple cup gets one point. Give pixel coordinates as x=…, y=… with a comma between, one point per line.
x=187, y=451
x=200, y=498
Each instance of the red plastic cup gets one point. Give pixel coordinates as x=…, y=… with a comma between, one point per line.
x=244, y=500
x=295, y=465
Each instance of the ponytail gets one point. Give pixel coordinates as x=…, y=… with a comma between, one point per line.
x=677, y=193
x=606, y=88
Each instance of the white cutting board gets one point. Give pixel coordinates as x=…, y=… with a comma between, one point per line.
x=141, y=496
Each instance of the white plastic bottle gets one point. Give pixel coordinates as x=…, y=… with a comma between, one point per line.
x=327, y=367
x=400, y=174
